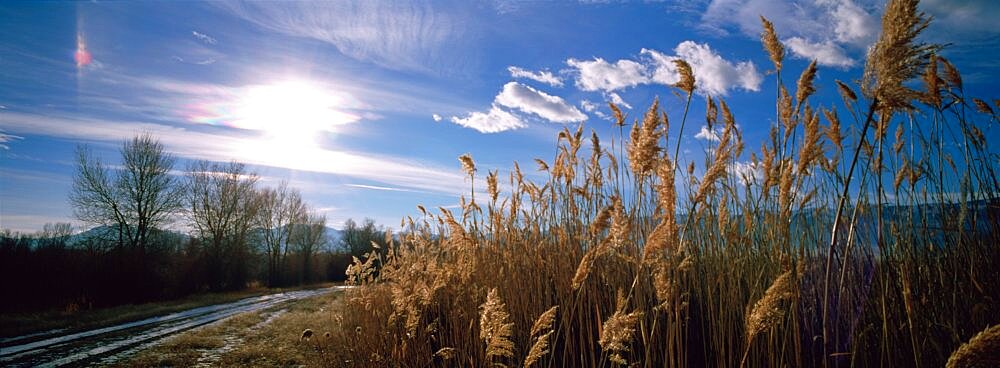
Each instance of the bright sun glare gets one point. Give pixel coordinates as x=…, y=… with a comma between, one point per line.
x=291, y=115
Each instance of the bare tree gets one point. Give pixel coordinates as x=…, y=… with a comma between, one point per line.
x=279, y=208
x=137, y=197
x=223, y=204
x=308, y=237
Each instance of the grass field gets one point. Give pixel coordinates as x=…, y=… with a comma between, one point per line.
x=860, y=234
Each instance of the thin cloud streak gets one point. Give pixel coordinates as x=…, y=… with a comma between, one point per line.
x=192, y=144
x=544, y=76
x=396, y=35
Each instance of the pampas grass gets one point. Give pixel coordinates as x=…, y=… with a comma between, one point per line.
x=827, y=246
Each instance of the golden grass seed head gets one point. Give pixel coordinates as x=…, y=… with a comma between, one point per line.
x=644, y=146
x=846, y=93
x=544, y=321
x=538, y=350
x=951, y=74
x=542, y=166
x=811, y=150
x=899, y=141
x=586, y=265
x=468, y=165
x=805, y=87
x=833, y=132
x=494, y=328
x=617, y=333
x=768, y=311
x=983, y=350
x=619, y=116
x=896, y=57
x=446, y=353
x=774, y=48
x=901, y=174
x=711, y=112
x=686, y=82
x=785, y=110
x=491, y=185
x=982, y=106
x=932, y=85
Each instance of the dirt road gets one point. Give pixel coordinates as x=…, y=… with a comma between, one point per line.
x=107, y=345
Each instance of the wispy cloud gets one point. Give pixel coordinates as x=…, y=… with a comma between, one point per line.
x=544, y=76
x=493, y=121
x=394, y=34
x=204, y=38
x=436, y=117
x=376, y=187
x=7, y=138
x=518, y=96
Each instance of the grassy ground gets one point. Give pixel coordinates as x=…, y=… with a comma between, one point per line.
x=268, y=338
x=18, y=324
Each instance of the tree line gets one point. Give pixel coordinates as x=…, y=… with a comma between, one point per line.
x=239, y=233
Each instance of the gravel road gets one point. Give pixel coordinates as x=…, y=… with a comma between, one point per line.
x=107, y=345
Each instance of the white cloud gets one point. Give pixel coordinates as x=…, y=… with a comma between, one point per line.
x=436, y=117
x=854, y=25
x=600, y=75
x=746, y=171
x=494, y=121
x=709, y=135
x=617, y=100
x=713, y=135
x=713, y=74
x=518, y=96
x=204, y=38
x=825, y=53
x=544, y=76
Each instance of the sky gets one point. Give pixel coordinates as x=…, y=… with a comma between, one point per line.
x=364, y=106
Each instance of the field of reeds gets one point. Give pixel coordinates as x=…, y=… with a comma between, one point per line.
x=862, y=234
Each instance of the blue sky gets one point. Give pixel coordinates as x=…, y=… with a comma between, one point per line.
x=364, y=106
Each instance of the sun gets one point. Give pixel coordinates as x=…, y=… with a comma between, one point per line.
x=290, y=116
x=291, y=110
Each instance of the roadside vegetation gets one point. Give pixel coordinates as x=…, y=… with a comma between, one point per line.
x=859, y=234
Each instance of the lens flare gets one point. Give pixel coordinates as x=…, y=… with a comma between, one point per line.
x=82, y=56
